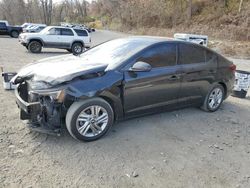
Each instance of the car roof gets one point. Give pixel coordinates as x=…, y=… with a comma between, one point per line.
x=64, y=27
x=150, y=39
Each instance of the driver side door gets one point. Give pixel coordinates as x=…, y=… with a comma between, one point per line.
x=147, y=91
x=52, y=38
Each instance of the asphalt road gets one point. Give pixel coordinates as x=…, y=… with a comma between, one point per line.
x=184, y=148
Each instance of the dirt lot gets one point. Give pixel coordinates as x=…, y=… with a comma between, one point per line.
x=184, y=148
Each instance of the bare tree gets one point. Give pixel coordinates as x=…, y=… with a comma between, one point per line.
x=189, y=10
x=47, y=11
x=240, y=6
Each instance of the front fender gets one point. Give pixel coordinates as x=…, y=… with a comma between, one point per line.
x=107, y=87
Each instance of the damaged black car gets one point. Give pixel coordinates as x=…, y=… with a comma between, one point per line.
x=120, y=79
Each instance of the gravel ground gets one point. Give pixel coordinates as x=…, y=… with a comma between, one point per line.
x=184, y=148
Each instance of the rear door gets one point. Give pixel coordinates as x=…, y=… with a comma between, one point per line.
x=3, y=28
x=146, y=91
x=66, y=38
x=199, y=67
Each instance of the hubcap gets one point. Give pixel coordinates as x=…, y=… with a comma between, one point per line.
x=35, y=47
x=78, y=49
x=15, y=34
x=215, y=98
x=92, y=121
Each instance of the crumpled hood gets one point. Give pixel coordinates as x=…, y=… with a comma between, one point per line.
x=56, y=70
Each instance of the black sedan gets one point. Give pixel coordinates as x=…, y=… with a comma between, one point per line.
x=120, y=79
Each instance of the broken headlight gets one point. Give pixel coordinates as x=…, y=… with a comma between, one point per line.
x=57, y=95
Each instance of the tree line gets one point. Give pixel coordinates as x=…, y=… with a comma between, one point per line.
x=44, y=11
x=126, y=13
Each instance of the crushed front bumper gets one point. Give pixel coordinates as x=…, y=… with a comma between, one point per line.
x=23, y=105
x=43, y=115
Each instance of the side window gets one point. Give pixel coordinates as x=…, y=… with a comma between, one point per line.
x=190, y=54
x=67, y=32
x=81, y=32
x=54, y=31
x=2, y=25
x=162, y=55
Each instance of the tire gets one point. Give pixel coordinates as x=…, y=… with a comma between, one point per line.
x=77, y=123
x=14, y=34
x=69, y=50
x=207, y=105
x=77, y=48
x=35, y=47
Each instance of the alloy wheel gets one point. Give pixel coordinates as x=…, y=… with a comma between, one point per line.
x=78, y=49
x=92, y=121
x=215, y=98
x=35, y=47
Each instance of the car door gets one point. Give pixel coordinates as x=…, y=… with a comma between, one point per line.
x=3, y=29
x=146, y=91
x=66, y=38
x=199, y=67
x=52, y=37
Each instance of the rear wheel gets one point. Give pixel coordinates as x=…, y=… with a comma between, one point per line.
x=89, y=120
x=214, y=99
x=77, y=48
x=35, y=47
x=14, y=34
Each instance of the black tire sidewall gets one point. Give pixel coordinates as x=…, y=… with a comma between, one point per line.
x=73, y=48
x=16, y=32
x=207, y=98
x=73, y=128
x=32, y=43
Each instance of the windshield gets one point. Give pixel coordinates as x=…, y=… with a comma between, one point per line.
x=114, y=52
x=45, y=30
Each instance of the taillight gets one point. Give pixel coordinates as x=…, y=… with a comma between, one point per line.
x=232, y=67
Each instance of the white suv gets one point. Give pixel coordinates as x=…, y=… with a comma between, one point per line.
x=73, y=40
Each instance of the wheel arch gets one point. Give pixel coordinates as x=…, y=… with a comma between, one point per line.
x=77, y=41
x=117, y=109
x=225, y=88
x=14, y=30
x=38, y=40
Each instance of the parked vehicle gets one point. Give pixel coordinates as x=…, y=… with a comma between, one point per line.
x=73, y=40
x=198, y=39
x=24, y=25
x=6, y=29
x=35, y=29
x=78, y=26
x=120, y=79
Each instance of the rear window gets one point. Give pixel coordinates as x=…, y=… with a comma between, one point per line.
x=190, y=54
x=81, y=32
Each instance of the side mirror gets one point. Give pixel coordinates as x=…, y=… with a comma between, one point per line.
x=140, y=67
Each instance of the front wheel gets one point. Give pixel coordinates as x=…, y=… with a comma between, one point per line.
x=89, y=120
x=35, y=47
x=214, y=99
